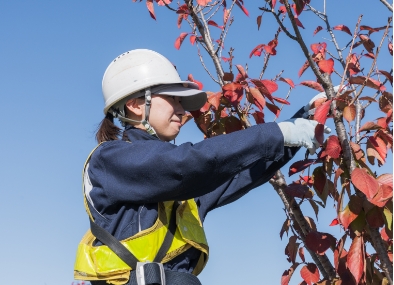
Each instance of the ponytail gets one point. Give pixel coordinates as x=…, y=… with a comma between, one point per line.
x=107, y=130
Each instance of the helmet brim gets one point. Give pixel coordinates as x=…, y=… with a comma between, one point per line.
x=192, y=98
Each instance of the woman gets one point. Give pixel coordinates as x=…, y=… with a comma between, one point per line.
x=152, y=195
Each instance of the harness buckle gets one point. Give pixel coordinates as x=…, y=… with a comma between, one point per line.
x=140, y=272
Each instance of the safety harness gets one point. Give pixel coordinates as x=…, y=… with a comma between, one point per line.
x=138, y=260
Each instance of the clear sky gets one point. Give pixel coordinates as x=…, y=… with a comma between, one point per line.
x=53, y=55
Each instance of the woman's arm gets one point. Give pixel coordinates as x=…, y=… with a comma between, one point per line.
x=150, y=171
x=242, y=183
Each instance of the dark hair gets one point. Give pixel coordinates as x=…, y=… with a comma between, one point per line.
x=107, y=130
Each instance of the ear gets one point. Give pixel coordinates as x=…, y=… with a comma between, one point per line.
x=135, y=106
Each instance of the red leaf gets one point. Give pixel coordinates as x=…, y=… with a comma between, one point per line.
x=310, y=273
x=372, y=83
x=319, y=47
x=242, y=7
x=349, y=113
x=259, y=22
x=318, y=29
x=327, y=66
x=273, y=3
x=319, y=179
x=258, y=117
x=318, y=242
x=355, y=258
x=379, y=145
x=390, y=47
x=388, y=75
x=301, y=254
x=206, y=107
x=179, y=40
x=385, y=192
x=282, y=9
x=190, y=78
x=203, y=2
x=233, y=92
x=334, y=222
x=369, y=126
x=300, y=165
x=213, y=23
x=298, y=23
x=270, y=48
x=225, y=59
x=333, y=147
x=273, y=108
x=299, y=6
x=258, y=99
x=214, y=99
x=226, y=14
x=303, y=68
x=319, y=134
x=242, y=71
x=367, y=98
x=298, y=190
x=192, y=39
x=288, y=81
x=322, y=112
x=291, y=249
x=342, y=28
x=313, y=85
x=280, y=100
x=287, y=274
x=367, y=43
x=149, y=5
x=365, y=182
x=386, y=179
x=256, y=51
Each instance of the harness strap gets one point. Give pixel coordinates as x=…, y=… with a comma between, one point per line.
x=123, y=253
x=172, y=278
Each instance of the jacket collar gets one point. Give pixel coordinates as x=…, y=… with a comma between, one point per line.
x=134, y=134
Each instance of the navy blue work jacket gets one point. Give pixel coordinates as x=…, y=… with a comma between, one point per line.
x=129, y=179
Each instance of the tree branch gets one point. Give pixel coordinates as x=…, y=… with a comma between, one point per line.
x=322, y=261
x=385, y=3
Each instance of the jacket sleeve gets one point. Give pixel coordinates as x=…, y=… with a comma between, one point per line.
x=260, y=172
x=151, y=171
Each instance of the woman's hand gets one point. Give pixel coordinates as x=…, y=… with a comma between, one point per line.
x=301, y=132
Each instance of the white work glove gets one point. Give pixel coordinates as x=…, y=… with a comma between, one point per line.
x=301, y=132
x=307, y=108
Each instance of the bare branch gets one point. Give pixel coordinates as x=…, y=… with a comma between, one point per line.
x=281, y=24
x=387, y=5
x=374, y=60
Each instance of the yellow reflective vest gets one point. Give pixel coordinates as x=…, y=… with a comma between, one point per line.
x=101, y=263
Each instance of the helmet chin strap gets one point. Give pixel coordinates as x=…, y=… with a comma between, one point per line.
x=120, y=114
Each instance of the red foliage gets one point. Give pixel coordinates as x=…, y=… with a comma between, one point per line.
x=342, y=28
x=310, y=273
x=179, y=40
x=300, y=165
x=313, y=85
x=326, y=66
x=365, y=182
x=322, y=112
x=355, y=258
x=333, y=147
x=288, y=81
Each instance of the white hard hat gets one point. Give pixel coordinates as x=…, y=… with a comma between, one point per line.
x=132, y=72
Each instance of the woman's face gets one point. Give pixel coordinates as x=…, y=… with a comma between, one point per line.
x=166, y=116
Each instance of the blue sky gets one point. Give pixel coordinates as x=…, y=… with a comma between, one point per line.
x=53, y=55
